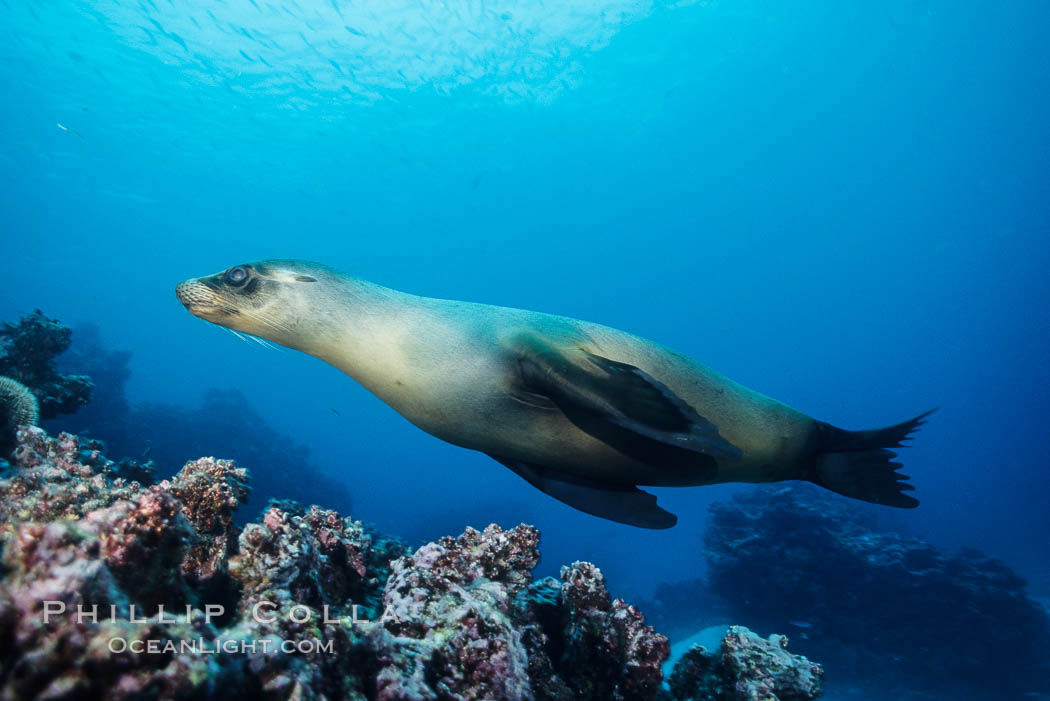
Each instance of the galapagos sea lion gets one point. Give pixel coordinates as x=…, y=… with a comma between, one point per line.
x=584, y=412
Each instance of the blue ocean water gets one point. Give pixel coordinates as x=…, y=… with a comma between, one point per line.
x=843, y=206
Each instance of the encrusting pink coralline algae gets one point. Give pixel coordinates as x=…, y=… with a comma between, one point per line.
x=116, y=589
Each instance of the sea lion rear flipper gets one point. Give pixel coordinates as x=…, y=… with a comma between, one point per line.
x=620, y=404
x=861, y=464
x=623, y=504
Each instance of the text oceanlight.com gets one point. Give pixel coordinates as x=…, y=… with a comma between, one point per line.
x=211, y=647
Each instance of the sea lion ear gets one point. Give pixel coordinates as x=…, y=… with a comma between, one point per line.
x=621, y=405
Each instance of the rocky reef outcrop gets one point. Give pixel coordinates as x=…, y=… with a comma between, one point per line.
x=167, y=434
x=746, y=668
x=112, y=588
x=31, y=388
x=27, y=354
x=72, y=372
x=116, y=585
x=888, y=611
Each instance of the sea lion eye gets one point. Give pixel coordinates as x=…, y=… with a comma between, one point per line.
x=237, y=276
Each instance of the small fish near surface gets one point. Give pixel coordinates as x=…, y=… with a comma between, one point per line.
x=64, y=128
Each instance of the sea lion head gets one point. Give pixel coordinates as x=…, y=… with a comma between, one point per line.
x=274, y=299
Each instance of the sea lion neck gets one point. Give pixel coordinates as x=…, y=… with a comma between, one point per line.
x=364, y=333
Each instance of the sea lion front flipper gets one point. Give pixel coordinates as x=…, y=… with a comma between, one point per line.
x=623, y=504
x=620, y=404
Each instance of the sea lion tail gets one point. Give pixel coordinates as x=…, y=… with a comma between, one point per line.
x=860, y=464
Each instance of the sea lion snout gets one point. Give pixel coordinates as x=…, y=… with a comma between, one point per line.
x=192, y=293
x=237, y=299
x=200, y=299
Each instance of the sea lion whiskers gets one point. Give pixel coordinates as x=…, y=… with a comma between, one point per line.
x=264, y=343
x=235, y=333
x=272, y=323
x=251, y=313
x=248, y=338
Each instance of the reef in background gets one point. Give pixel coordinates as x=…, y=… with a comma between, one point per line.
x=31, y=388
x=889, y=612
x=459, y=618
x=37, y=351
x=27, y=355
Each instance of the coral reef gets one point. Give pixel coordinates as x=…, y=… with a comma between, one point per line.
x=18, y=407
x=888, y=611
x=602, y=633
x=316, y=563
x=114, y=585
x=225, y=424
x=210, y=491
x=169, y=435
x=61, y=478
x=27, y=354
x=746, y=668
x=469, y=624
x=452, y=634
x=79, y=537
x=116, y=589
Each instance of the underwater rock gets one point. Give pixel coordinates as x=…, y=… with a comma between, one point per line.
x=469, y=625
x=297, y=569
x=542, y=634
x=609, y=652
x=882, y=610
x=746, y=668
x=306, y=556
x=75, y=534
x=169, y=435
x=209, y=491
x=143, y=543
x=451, y=634
x=225, y=424
x=58, y=478
x=27, y=354
x=18, y=407
x=165, y=568
x=46, y=654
